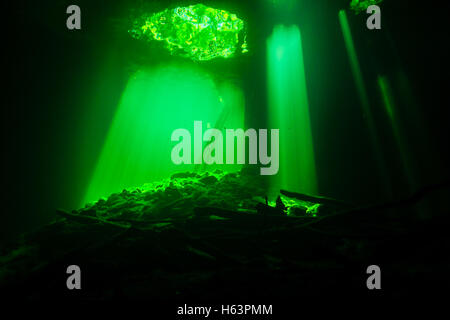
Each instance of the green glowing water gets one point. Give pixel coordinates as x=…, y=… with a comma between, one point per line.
x=197, y=31
x=155, y=102
x=289, y=111
x=361, y=5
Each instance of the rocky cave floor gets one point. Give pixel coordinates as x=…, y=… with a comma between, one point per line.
x=214, y=237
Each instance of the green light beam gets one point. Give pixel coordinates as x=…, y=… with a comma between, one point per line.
x=390, y=108
x=289, y=111
x=155, y=102
x=362, y=93
x=354, y=63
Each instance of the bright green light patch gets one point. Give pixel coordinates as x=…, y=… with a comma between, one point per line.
x=197, y=31
x=297, y=207
x=362, y=5
x=154, y=103
x=288, y=111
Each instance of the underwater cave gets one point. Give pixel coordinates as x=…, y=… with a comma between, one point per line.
x=266, y=151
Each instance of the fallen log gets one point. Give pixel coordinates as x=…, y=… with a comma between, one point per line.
x=316, y=199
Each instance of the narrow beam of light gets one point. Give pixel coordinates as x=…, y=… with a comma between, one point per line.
x=289, y=111
x=364, y=100
x=354, y=63
x=388, y=101
x=155, y=102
